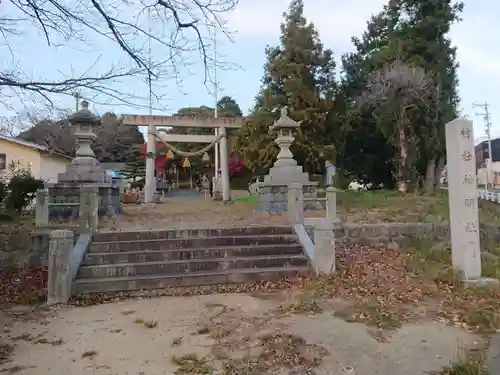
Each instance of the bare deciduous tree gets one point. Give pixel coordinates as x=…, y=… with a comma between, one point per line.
x=393, y=90
x=178, y=29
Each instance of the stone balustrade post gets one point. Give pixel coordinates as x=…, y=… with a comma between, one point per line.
x=323, y=261
x=59, y=278
x=89, y=206
x=42, y=208
x=331, y=204
x=295, y=203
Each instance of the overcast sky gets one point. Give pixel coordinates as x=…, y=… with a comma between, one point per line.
x=256, y=23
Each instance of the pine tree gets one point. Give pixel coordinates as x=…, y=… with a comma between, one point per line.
x=135, y=167
x=299, y=74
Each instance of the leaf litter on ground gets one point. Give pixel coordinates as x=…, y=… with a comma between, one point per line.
x=382, y=287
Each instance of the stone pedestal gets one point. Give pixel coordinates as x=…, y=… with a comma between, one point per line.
x=67, y=197
x=285, y=171
x=274, y=197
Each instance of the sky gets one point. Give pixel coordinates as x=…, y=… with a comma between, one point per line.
x=255, y=24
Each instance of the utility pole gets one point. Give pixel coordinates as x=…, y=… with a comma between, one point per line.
x=216, y=100
x=486, y=116
x=77, y=96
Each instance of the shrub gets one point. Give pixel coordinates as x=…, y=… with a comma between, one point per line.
x=18, y=192
x=3, y=191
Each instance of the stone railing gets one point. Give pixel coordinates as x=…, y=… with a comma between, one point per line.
x=65, y=257
x=488, y=195
x=79, y=213
x=319, y=242
x=53, y=240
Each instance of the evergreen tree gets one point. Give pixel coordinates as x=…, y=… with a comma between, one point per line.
x=135, y=166
x=415, y=31
x=299, y=74
x=364, y=153
x=424, y=33
x=228, y=107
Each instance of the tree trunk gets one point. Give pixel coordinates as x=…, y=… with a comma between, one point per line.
x=430, y=175
x=403, y=162
x=438, y=173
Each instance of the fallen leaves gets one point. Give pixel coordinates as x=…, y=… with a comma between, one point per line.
x=27, y=286
x=250, y=288
x=289, y=350
x=384, y=288
x=380, y=287
x=6, y=351
x=275, y=352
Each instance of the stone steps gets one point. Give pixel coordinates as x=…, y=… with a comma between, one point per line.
x=146, y=282
x=189, y=233
x=184, y=267
x=189, y=243
x=95, y=258
x=124, y=261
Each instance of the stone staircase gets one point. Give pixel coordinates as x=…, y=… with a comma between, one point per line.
x=124, y=261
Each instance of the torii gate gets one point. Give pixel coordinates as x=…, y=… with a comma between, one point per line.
x=152, y=121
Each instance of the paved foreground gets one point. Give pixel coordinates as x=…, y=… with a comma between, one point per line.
x=162, y=335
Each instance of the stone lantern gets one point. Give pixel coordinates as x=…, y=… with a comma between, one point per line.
x=84, y=192
x=285, y=170
x=84, y=121
x=285, y=127
x=85, y=168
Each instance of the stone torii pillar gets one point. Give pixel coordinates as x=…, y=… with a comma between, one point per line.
x=224, y=164
x=150, y=185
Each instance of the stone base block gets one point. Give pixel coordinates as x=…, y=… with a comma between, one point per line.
x=274, y=197
x=286, y=174
x=217, y=195
x=66, y=196
x=481, y=282
x=84, y=174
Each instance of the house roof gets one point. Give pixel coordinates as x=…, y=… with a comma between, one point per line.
x=35, y=146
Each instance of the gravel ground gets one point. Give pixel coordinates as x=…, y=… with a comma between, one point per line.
x=194, y=213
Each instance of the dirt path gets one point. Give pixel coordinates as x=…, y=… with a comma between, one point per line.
x=195, y=213
x=162, y=335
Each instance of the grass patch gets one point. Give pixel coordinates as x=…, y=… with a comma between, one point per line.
x=248, y=199
x=56, y=342
x=177, y=341
x=218, y=332
x=15, y=369
x=146, y=323
x=468, y=367
x=391, y=206
x=191, y=364
x=89, y=354
x=303, y=305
